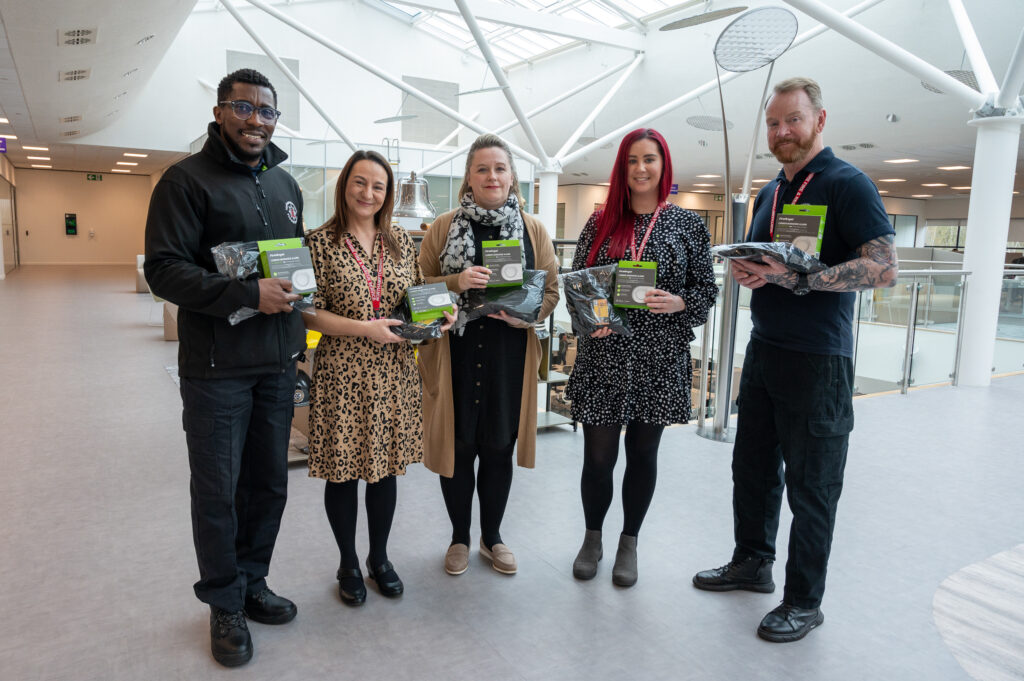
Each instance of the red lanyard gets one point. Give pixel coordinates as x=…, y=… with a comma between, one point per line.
x=647, y=235
x=775, y=199
x=374, y=290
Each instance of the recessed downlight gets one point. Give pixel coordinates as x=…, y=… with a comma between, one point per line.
x=901, y=160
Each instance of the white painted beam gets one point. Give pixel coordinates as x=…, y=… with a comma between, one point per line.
x=972, y=46
x=499, y=13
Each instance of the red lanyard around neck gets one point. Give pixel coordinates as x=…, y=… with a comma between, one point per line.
x=775, y=200
x=375, y=290
x=637, y=254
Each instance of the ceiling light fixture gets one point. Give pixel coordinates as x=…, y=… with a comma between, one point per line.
x=892, y=118
x=954, y=167
x=4, y=120
x=934, y=184
x=761, y=181
x=701, y=191
x=128, y=153
x=9, y=137
x=709, y=175
x=38, y=158
x=920, y=196
x=119, y=170
x=36, y=148
x=961, y=188
x=40, y=166
x=883, y=191
x=902, y=160
x=892, y=179
x=702, y=184
x=127, y=163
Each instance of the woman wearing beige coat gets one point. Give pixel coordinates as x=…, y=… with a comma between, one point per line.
x=480, y=383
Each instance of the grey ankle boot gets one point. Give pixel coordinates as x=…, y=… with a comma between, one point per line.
x=624, y=573
x=585, y=565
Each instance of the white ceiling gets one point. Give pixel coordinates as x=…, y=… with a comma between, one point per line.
x=860, y=88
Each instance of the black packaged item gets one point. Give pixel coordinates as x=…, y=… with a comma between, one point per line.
x=522, y=302
x=588, y=296
x=417, y=331
x=241, y=260
x=784, y=252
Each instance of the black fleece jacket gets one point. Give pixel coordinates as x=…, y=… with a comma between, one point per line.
x=207, y=199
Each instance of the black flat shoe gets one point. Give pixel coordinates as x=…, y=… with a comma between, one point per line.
x=355, y=595
x=230, y=642
x=387, y=580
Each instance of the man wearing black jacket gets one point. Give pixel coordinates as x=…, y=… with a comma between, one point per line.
x=236, y=381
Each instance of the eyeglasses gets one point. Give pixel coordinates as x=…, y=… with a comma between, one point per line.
x=243, y=111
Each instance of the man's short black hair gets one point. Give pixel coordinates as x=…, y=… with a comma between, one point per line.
x=248, y=76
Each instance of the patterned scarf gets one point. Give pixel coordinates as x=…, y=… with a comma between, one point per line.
x=460, y=248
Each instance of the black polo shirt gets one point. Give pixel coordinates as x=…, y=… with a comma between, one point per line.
x=820, y=322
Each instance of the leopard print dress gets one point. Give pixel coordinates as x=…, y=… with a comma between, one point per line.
x=366, y=415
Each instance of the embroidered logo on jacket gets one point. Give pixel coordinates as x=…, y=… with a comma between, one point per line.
x=292, y=212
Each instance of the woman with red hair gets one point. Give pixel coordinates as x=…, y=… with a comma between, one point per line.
x=641, y=382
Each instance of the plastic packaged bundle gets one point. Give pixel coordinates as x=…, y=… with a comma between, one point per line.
x=781, y=251
x=588, y=296
x=241, y=260
x=522, y=302
x=417, y=331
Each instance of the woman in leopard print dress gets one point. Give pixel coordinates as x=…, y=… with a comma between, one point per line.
x=366, y=413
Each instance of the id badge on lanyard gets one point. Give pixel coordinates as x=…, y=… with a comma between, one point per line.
x=635, y=278
x=374, y=287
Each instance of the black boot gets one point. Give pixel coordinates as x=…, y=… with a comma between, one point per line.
x=266, y=607
x=229, y=637
x=749, y=574
x=789, y=623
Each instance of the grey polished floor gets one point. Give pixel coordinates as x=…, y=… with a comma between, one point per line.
x=97, y=563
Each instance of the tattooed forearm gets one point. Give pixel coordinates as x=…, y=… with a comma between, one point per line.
x=785, y=280
x=876, y=267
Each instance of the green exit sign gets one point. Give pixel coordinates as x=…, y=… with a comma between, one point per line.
x=94, y=176
x=719, y=197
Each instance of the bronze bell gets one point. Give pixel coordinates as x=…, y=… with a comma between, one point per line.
x=413, y=199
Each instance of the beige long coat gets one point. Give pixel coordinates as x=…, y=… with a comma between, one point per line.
x=435, y=359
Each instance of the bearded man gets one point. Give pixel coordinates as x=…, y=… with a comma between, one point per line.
x=796, y=390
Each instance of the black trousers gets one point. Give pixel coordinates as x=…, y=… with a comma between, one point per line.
x=795, y=418
x=237, y=433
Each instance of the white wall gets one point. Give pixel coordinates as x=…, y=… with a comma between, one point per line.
x=6, y=172
x=114, y=209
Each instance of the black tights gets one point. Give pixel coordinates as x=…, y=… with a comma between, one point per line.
x=600, y=452
x=493, y=481
x=341, y=499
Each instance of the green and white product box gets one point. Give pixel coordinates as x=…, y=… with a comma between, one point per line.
x=802, y=225
x=505, y=261
x=633, y=279
x=428, y=301
x=288, y=259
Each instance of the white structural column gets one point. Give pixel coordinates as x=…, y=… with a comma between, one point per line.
x=988, y=220
x=548, y=200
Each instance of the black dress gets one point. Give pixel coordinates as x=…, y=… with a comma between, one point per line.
x=646, y=377
x=487, y=367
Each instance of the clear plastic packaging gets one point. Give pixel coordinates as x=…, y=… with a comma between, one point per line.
x=588, y=297
x=522, y=302
x=241, y=260
x=781, y=251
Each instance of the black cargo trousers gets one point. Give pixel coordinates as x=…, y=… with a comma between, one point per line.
x=795, y=418
x=237, y=432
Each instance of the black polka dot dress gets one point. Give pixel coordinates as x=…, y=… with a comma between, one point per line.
x=646, y=377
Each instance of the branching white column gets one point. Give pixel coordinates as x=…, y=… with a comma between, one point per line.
x=548, y=199
x=988, y=219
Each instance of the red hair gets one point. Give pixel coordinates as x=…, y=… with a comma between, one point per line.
x=615, y=220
